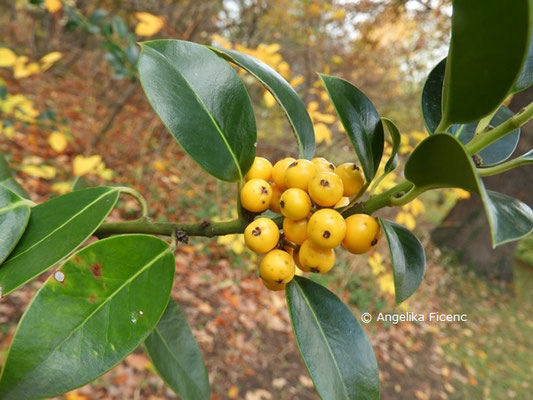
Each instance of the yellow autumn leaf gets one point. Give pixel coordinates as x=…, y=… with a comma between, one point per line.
x=149, y=24
x=386, y=283
x=320, y=117
x=322, y=133
x=404, y=218
x=62, y=187
x=83, y=165
x=40, y=171
x=297, y=81
x=269, y=100
x=50, y=59
x=8, y=131
x=58, y=141
x=7, y=57
x=22, y=70
x=106, y=174
x=53, y=5
x=376, y=263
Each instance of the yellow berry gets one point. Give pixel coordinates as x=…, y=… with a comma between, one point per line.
x=362, y=233
x=260, y=169
x=261, y=235
x=295, y=231
x=274, y=286
x=278, y=172
x=256, y=195
x=299, y=173
x=352, y=178
x=322, y=164
x=326, y=189
x=326, y=228
x=277, y=266
x=343, y=202
x=295, y=204
x=276, y=196
x=313, y=258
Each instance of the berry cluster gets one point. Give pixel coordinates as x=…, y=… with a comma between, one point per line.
x=306, y=193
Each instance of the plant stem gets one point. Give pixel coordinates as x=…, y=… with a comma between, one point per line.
x=486, y=138
x=506, y=166
x=442, y=127
x=210, y=229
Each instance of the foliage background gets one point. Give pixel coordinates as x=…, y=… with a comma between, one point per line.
x=70, y=109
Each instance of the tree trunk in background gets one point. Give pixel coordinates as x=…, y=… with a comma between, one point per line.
x=465, y=229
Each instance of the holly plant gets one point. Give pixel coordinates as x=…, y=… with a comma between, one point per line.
x=113, y=295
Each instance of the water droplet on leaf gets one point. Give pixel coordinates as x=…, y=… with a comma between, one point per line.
x=59, y=276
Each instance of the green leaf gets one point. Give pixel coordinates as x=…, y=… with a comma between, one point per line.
x=396, y=138
x=525, y=80
x=432, y=97
x=408, y=259
x=176, y=356
x=90, y=314
x=487, y=50
x=55, y=230
x=332, y=343
x=119, y=27
x=203, y=103
x=79, y=183
x=285, y=95
x=498, y=151
x=14, y=216
x=509, y=219
x=360, y=120
x=7, y=179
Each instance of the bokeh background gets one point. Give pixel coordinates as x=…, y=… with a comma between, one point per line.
x=71, y=106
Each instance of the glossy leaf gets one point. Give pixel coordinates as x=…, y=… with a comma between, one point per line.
x=509, y=219
x=7, y=179
x=79, y=183
x=90, y=314
x=498, y=151
x=525, y=80
x=203, y=103
x=332, y=343
x=487, y=50
x=407, y=257
x=396, y=139
x=56, y=228
x=14, y=215
x=432, y=97
x=360, y=120
x=285, y=95
x=176, y=356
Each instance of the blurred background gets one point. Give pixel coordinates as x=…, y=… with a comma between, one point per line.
x=71, y=106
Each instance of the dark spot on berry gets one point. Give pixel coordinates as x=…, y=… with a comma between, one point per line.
x=331, y=167
x=326, y=234
x=293, y=164
x=205, y=224
x=263, y=202
x=374, y=242
x=96, y=270
x=314, y=269
x=355, y=167
x=280, y=281
x=256, y=231
x=264, y=190
x=324, y=182
x=282, y=204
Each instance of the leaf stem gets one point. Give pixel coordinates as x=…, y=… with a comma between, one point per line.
x=137, y=196
x=506, y=166
x=486, y=138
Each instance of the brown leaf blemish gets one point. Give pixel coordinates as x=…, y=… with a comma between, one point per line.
x=96, y=270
